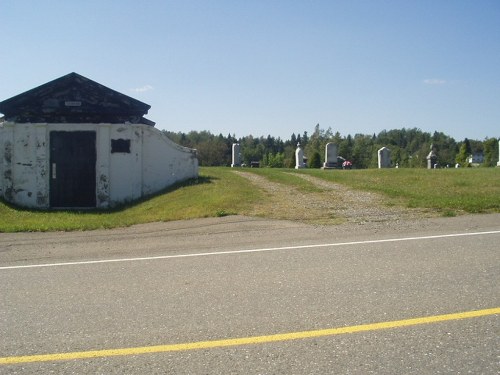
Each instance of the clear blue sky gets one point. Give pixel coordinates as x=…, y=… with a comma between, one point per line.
x=271, y=67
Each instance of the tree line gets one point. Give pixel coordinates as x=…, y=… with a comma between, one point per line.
x=409, y=148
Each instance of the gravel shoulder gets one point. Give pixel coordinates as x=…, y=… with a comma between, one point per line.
x=208, y=234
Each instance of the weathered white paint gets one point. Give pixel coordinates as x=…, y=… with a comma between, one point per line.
x=1, y=159
x=154, y=162
x=164, y=162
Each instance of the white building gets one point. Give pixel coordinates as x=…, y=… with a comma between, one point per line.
x=73, y=143
x=476, y=158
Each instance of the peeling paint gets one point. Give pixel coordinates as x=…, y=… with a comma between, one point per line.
x=8, y=152
x=42, y=200
x=102, y=194
x=103, y=199
x=154, y=163
x=9, y=196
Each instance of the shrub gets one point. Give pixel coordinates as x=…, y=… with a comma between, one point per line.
x=315, y=161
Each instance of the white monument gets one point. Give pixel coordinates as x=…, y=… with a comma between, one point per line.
x=330, y=156
x=236, y=155
x=384, y=158
x=498, y=163
x=299, y=157
x=432, y=158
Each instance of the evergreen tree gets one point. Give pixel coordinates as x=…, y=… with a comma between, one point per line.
x=490, y=152
x=462, y=155
x=305, y=139
x=468, y=148
x=409, y=147
x=315, y=160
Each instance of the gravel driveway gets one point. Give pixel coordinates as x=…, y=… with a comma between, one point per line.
x=331, y=203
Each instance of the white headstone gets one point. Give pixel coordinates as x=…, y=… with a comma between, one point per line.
x=384, y=158
x=330, y=156
x=299, y=157
x=236, y=155
x=432, y=158
x=498, y=164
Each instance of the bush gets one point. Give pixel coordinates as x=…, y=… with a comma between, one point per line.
x=315, y=161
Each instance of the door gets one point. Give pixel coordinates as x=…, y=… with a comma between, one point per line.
x=72, y=169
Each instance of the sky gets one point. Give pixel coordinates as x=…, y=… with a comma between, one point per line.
x=271, y=67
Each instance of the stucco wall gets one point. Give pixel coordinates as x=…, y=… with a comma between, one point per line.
x=22, y=148
x=165, y=162
x=1, y=160
x=151, y=163
x=154, y=163
x=126, y=166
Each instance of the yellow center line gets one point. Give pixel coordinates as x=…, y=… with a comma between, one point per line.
x=247, y=340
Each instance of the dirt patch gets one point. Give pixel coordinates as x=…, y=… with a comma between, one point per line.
x=331, y=204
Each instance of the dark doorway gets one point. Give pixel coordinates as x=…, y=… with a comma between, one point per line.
x=72, y=169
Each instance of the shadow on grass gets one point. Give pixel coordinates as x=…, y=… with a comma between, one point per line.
x=117, y=208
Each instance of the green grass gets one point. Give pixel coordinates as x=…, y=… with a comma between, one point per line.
x=450, y=191
x=217, y=192
x=220, y=192
x=286, y=177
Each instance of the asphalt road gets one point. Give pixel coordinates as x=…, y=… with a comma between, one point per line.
x=131, y=298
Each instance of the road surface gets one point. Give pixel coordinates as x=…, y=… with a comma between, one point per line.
x=240, y=295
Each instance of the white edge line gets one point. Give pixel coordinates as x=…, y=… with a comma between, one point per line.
x=246, y=251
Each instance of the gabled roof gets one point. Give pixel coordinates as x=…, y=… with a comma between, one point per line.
x=74, y=99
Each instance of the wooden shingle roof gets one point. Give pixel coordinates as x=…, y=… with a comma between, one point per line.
x=74, y=99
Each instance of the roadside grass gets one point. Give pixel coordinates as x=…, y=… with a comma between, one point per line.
x=220, y=192
x=449, y=191
x=217, y=192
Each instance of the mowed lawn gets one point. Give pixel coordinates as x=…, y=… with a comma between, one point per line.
x=449, y=190
x=219, y=192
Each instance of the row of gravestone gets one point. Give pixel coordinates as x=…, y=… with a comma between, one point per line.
x=332, y=157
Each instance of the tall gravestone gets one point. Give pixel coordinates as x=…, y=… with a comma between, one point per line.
x=330, y=156
x=432, y=158
x=299, y=157
x=384, y=158
x=236, y=155
x=498, y=164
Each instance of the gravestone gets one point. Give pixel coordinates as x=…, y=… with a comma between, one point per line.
x=384, y=158
x=299, y=157
x=236, y=155
x=432, y=158
x=330, y=156
x=498, y=164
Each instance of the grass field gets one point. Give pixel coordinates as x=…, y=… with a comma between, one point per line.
x=470, y=190
x=219, y=192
